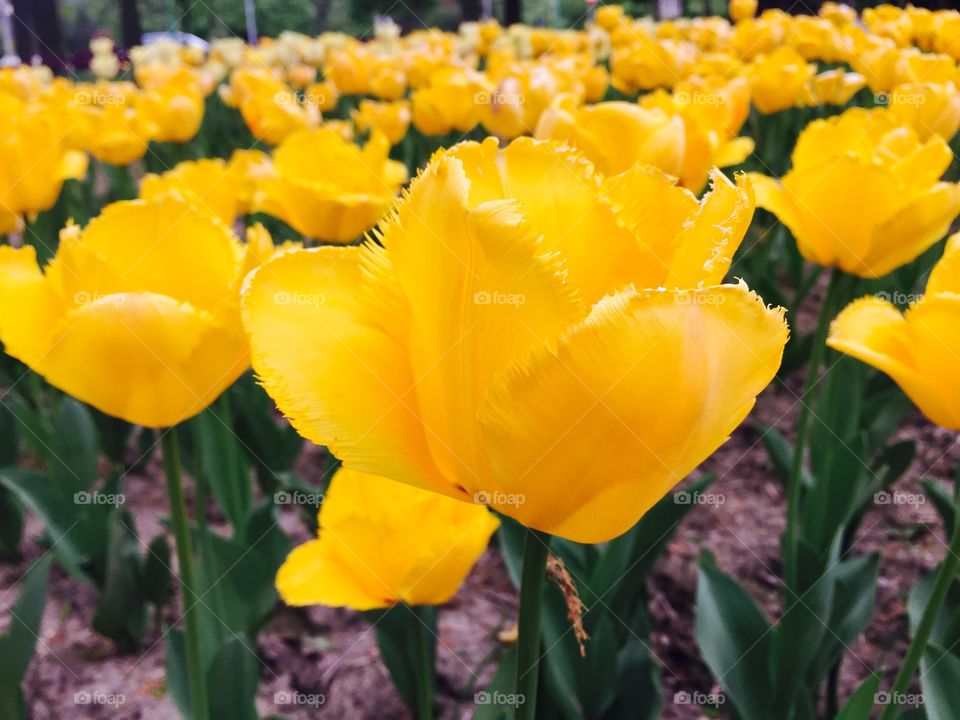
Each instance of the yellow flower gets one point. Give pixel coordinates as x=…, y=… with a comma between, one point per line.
x=777, y=80
x=832, y=87
x=616, y=136
x=323, y=95
x=138, y=314
x=392, y=119
x=329, y=189
x=36, y=160
x=248, y=168
x=207, y=184
x=452, y=101
x=901, y=208
x=490, y=352
x=174, y=111
x=433, y=542
x=919, y=348
x=740, y=10
x=116, y=134
x=929, y=108
x=389, y=82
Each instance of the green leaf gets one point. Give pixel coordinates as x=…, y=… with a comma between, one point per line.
x=939, y=671
x=17, y=645
x=859, y=705
x=175, y=665
x=487, y=702
x=398, y=631
x=59, y=516
x=735, y=641
x=780, y=452
x=223, y=463
x=638, y=676
x=942, y=500
x=75, y=452
x=121, y=612
x=157, y=576
x=232, y=680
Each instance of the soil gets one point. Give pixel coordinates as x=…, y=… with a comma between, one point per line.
x=330, y=653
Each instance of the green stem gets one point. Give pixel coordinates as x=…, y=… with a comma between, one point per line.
x=178, y=511
x=533, y=579
x=795, y=484
x=945, y=576
x=425, y=663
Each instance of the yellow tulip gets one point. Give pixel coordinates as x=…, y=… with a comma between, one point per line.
x=777, y=80
x=329, y=189
x=248, y=168
x=207, y=184
x=452, y=101
x=740, y=10
x=929, y=108
x=138, y=314
x=433, y=542
x=323, y=95
x=36, y=160
x=616, y=136
x=392, y=119
x=832, y=87
x=919, y=348
x=901, y=206
x=489, y=352
x=175, y=113
x=114, y=134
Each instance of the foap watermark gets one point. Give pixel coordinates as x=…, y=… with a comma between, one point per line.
x=100, y=98
x=899, y=497
x=85, y=497
x=499, y=97
x=495, y=297
x=899, y=698
x=283, y=297
x=292, y=98
x=98, y=697
x=899, y=298
x=700, y=298
x=495, y=697
x=499, y=499
x=94, y=298
x=683, y=97
x=297, y=497
x=292, y=697
x=685, y=697
x=899, y=97
x=685, y=497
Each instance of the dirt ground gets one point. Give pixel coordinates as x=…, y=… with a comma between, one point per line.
x=331, y=653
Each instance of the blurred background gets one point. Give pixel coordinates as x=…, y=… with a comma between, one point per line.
x=58, y=31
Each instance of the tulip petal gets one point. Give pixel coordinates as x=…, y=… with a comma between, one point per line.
x=912, y=230
x=335, y=369
x=565, y=210
x=734, y=152
x=710, y=239
x=875, y=332
x=945, y=276
x=771, y=196
x=480, y=293
x=29, y=308
x=152, y=360
x=630, y=400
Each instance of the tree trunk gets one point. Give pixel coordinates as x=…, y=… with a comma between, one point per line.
x=49, y=36
x=24, y=39
x=131, y=29
x=511, y=12
x=470, y=10
x=323, y=12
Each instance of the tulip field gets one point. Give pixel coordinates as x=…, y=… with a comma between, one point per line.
x=501, y=372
